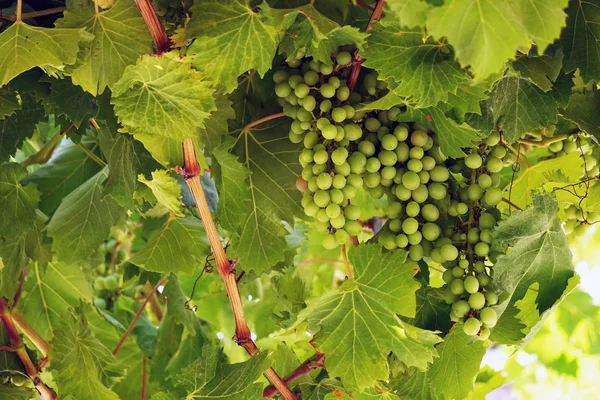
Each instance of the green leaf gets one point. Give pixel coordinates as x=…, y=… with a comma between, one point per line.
x=83, y=220
x=357, y=325
x=413, y=386
x=102, y=63
x=485, y=34
x=467, y=99
x=162, y=101
x=176, y=309
x=453, y=374
x=80, y=361
x=178, y=245
x=18, y=202
x=231, y=38
x=216, y=125
x=70, y=100
x=20, y=125
x=543, y=19
x=16, y=393
x=49, y=294
x=432, y=312
x=8, y=102
x=542, y=174
x=583, y=110
x=452, y=136
x=519, y=106
x=410, y=13
x=540, y=253
x=424, y=74
x=580, y=40
x=23, y=47
x=66, y=170
x=165, y=189
x=542, y=70
x=273, y=161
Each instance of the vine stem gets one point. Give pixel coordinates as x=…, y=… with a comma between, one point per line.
x=45, y=153
x=262, y=120
x=16, y=343
x=357, y=59
x=225, y=267
x=138, y=315
x=544, y=142
x=31, y=334
x=510, y=203
x=317, y=361
x=34, y=14
x=19, y=15
x=157, y=30
x=517, y=153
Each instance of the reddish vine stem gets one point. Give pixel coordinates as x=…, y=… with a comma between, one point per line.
x=137, y=316
x=18, y=347
x=30, y=333
x=317, y=361
x=157, y=30
x=225, y=267
x=357, y=59
x=262, y=120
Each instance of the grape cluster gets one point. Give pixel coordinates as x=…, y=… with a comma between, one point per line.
x=326, y=122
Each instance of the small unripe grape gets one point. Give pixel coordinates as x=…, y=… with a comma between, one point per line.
x=473, y=160
x=343, y=58
x=424, y=176
x=437, y=191
x=372, y=124
x=338, y=222
x=477, y=301
x=100, y=303
x=420, y=194
x=325, y=105
x=338, y=114
x=401, y=132
x=326, y=69
x=471, y=284
x=343, y=93
x=486, y=236
x=412, y=209
x=322, y=216
x=342, y=236
x=339, y=181
x=318, y=169
x=488, y=316
x=499, y=152
x=449, y=252
x=428, y=162
x=439, y=174
x=393, y=113
x=327, y=90
x=388, y=158
x=415, y=238
x=312, y=184
x=334, y=81
x=419, y=138
x=474, y=192
x=410, y=225
x=349, y=112
x=484, y=333
x=461, y=308
x=301, y=90
x=447, y=276
x=457, y=271
x=294, y=81
x=354, y=180
x=330, y=242
x=339, y=156
x=372, y=179
x=482, y=249
x=311, y=78
x=395, y=225
x=333, y=210
x=417, y=153
x=494, y=165
x=485, y=181
x=401, y=240
x=483, y=280
x=99, y=283
x=493, y=197
x=402, y=151
x=414, y=165
x=457, y=286
x=402, y=193
x=479, y=267
x=280, y=76
x=487, y=221
x=311, y=209
x=491, y=298
x=353, y=131
x=431, y=231
x=471, y=326
x=430, y=212
x=411, y=180
x=352, y=227
x=367, y=148
x=373, y=164
x=415, y=252
x=283, y=89
x=352, y=212
x=389, y=142
x=304, y=117
x=493, y=139
x=321, y=198
x=337, y=196
x=343, y=169
x=388, y=172
x=329, y=132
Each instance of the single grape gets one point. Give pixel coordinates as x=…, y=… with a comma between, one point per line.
x=430, y=212
x=457, y=286
x=326, y=69
x=311, y=78
x=327, y=90
x=484, y=333
x=342, y=236
x=337, y=196
x=488, y=316
x=411, y=180
x=471, y=284
x=301, y=90
x=412, y=209
x=333, y=210
x=473, y=160
x=493, y=197
x=449, y=252
x=353, y=132
x=334, y=81
x=420, y=194
x=487, y=221
x=280, y=76
x=474, y=192
x=352, y=212
x=415, y=252
x=389, y=142
x=283, y=89
x=410, y=225
x=352, y=227
x=349, y=112
x=483, y=280
x=437, y=191
x=431, y=231
x=325, y=105
x=321, y=198
x=388, y=158
x=494, y=165
x=367, y=148
x=338, y=222
x=372, y=124
x=373, y=164
x=401, y=132
x=388, y=172
x=419, y=138
x=477, y=301
x=461, y=308
x=493, y=139
x=295, y=80
x=343, y=93
x=491, y=298
x=329, y=131
x=457, y=272
x=343, y=58
x=471, y=326
x=329, y=242
x=339, y=156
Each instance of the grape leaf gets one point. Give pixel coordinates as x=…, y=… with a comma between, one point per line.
x=165, y=189
x=413, y=386
x=231, y=38
x=79, y=361
x=542, y=70
x=16, y=393
x=162, y=101
x=216, y=125
x=540, y=253
x=20, y=125
x=66, y=170
x=70, y=100
x=424, y=74
x=467, y=99
x=541, y=174
x=83, y=220
x=176, y=309
x=18, y=202
x=543, y=19
x=356, y=326
x=519, y=106
x=49, y=294
x=104, y=60
x=410, y=13
x=453, y=374
x=432, y=312
x=273, y=161
x=452, y=136
x=580, y=40
x=23, y=47
x=178, y=245
x=209, y=377
x=484, y=34
x=8, y=102
x=583, y=110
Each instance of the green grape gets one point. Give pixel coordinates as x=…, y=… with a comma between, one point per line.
x=388, y=172
x=318, y=169
x=487, y=221
x=99, y=284
x=325, y=69
x=415, y=238
x=412, y=209
x=343, y=169
x=342, y=236
x=420, y=194
x=339, y=181
x=280, y=76
x=457, y=286
x=321, y=198
x=349, y=113
x=111, y=282
x=461, y=308
x=301, y=90
x=493, y=197
x=473, y=161
x=349, y=192
x=339, y=156
x=303, y=116
x=311, y=78
x=491, y=298
x=320, y=157
x=411, y=180
x=343, y=58
x=437, y=191
x=473, y=235
x=338, y=222
x=484, y=333
x=352, y=212
x=439, y=174
x=410, y=225
x=483, y=280
x=482, y=249
x=494, y=165
x=493, y=139
x=477, y=301
x=352, y=227
x=343, y=93
x=428, y=163
x=484, y=181
x=327, y=90
x=419, y=138
x=372, y=179
x=310, y=139
x=312, y=184
x=449, y=252
x=499, y=152
x=329, y=242
x=325, y=106
x=283, y=89
x=402, y=193
x=353, y=132
x=334, y=81
x=387, y=240
x=388, y=158
x=389, y=142
x=395, y=225
x=424, y=176
x=294, y=63
x=471, y=326
x=373, y=164
x=471, y=284
x=338, y=114
x=414, y=165
x=337, y=196
x=322, y=216
x=415, y=252
x=417, y=153
x=311, y=209
x=457, y=272
x=372, y=124
x=333, y=210
x=430, y=213
x=479, y=267
x=354, y=180
x=329, y=132
x=447, y=276
x=309, y=103
x=294, y=81
x=486, y=236
x=474, y=192
x=100, y=303
x=393, y=113
x=488, y=316
x=367, y=148
x=431, y=231
x=402, y=151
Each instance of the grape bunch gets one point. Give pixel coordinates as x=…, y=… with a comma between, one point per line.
x=315, y=95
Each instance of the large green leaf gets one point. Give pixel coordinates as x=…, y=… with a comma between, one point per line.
x=453, y=374
x=8, y=102
x=540, y=253
x=83, y=220
x=542, y=70
x=411, y=13
x=80, y=361
x=165, y=189
x=543, y=19
x=162, y=101
x=424, y=73
x=70, y=100
x=120, y=37
x=581, y=39
x=23, y=47
x=179, y=244
x=357, y=325
x=20, y=125
x=18, y=202
x=231, y=38
x=583, y=110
